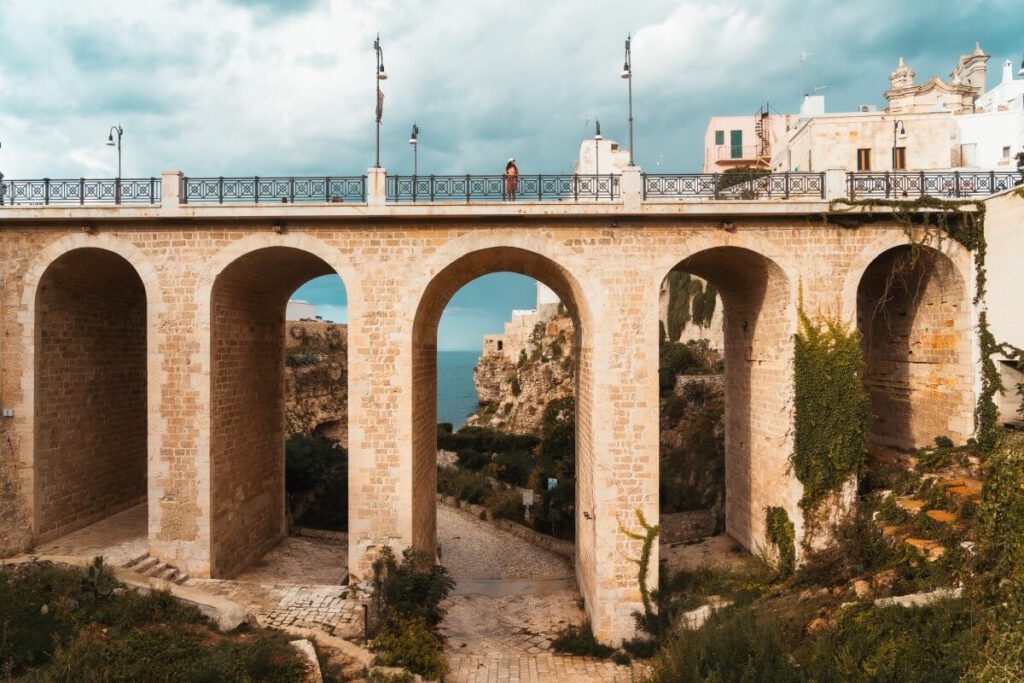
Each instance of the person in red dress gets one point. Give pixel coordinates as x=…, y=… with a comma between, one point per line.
x=511, y=179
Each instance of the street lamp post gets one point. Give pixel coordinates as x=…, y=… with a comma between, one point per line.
x=380, y=75
x=897, y=129
x=597, y=167
x=2, y=186
x=627, y=73
x=414, y=141
x=111, y=143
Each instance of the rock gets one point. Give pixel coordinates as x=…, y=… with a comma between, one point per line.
x=861, y=588
x=308, y=654
x=316, y=379
x=817, y=624
x=883, y=580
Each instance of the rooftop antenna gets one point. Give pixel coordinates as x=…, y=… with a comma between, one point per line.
x=804, y=54
x=819, y=87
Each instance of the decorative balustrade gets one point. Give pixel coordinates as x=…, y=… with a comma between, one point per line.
x=913, y=184
x=497, y=188
x=81, y=191
x=757, y=185
x=753, y=185
x=281, y=190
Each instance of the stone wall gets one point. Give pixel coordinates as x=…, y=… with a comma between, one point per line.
x=316, y=379
x=683, y=527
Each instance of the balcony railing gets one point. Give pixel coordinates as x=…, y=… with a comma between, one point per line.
x=497, y=188
x=279, y=190
x=740, y=152
x=913, y=184
x=734, y=185
x=80, y=191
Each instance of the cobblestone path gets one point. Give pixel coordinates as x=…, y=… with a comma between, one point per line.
x=510, y=601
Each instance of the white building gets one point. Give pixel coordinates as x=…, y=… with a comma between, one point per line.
x=299, y=310
x=991, y=137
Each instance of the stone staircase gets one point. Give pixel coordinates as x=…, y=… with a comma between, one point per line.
x=959, y=488
x=150, y=566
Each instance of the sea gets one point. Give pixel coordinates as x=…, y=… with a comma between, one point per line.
x=456, y=395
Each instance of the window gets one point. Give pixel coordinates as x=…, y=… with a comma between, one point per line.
x=899, y=159
x=863, y=159
x=500, y=345
x=968, y=153
x=719, y=137
x=736, y=144
x=1006, y=152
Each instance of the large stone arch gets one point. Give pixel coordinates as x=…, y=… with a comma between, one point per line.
x=912, y=304
x=88, y=315
x=759, y=320
x=241, y=302
x=436, y=294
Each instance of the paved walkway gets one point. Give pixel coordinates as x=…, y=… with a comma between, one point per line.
x=510, y=601
x=119, y=538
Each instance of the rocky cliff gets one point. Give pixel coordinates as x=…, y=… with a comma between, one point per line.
x=316, y=379
x=514, y=392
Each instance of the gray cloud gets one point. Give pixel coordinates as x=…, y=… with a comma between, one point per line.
x=237, y=88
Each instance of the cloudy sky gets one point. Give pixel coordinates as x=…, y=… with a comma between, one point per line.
x=265, y=87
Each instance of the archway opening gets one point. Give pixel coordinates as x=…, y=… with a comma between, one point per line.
x=724, y=388
x=90, y=442
x=278, y=402
x=565, y=305
x=915, y=334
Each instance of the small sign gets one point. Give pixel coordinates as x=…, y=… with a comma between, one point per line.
x=552, y=483
x=527, y=497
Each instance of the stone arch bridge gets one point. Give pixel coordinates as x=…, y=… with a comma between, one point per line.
x=142, y=356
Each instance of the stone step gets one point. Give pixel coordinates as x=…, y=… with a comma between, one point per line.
x=135, y=560
x=911, y=505
x=942, y=516
x=932, y=550
x=963, y=487
x=145, y=565
x=155, y=570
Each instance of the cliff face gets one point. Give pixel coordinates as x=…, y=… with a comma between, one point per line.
x=316, y=379
x=692, y=445
x=514, y=393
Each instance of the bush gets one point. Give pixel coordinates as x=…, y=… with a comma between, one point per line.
x=580, y=641
x=414, y=588
x=298, y=359
x=738, y=645
x=505, y=504
x=412, y=644
x=558, y=430
x=472, y=487
x=928, y=644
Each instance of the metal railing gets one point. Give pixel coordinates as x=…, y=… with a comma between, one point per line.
x=756, y=185
x=497, y=188
x=280, y=190
x=81, y=191
x=907, y=184
x=740, y=152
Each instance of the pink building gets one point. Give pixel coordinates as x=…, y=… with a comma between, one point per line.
x=732, y=141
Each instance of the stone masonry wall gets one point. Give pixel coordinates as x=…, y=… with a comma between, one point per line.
x=90, y=440
x=609, y=278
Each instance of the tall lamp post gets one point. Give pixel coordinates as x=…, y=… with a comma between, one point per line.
x=112, y=143
x=597, y=168
x=414, y=141
x=381, y=75
x=2, y=186
x=627, y=73
x=897, y=129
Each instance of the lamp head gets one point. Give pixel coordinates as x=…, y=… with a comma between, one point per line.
x=1021, y=72
x=110, y=139
x=381, y=74
x=626, y=71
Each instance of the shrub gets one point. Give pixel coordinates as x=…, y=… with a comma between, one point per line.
x=298, y=359
x=472, y=487
x=505, y=504
x=928, y=644
x=316, y=479
x=412, y=644
x=739, y=645
x=414, y=588
x=579, y=640
x=780, y=534
x=558, y=430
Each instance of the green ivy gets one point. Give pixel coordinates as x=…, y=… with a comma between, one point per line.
x=782, y=536
x=643, y=562
x=689, y=300
x=832, y=409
